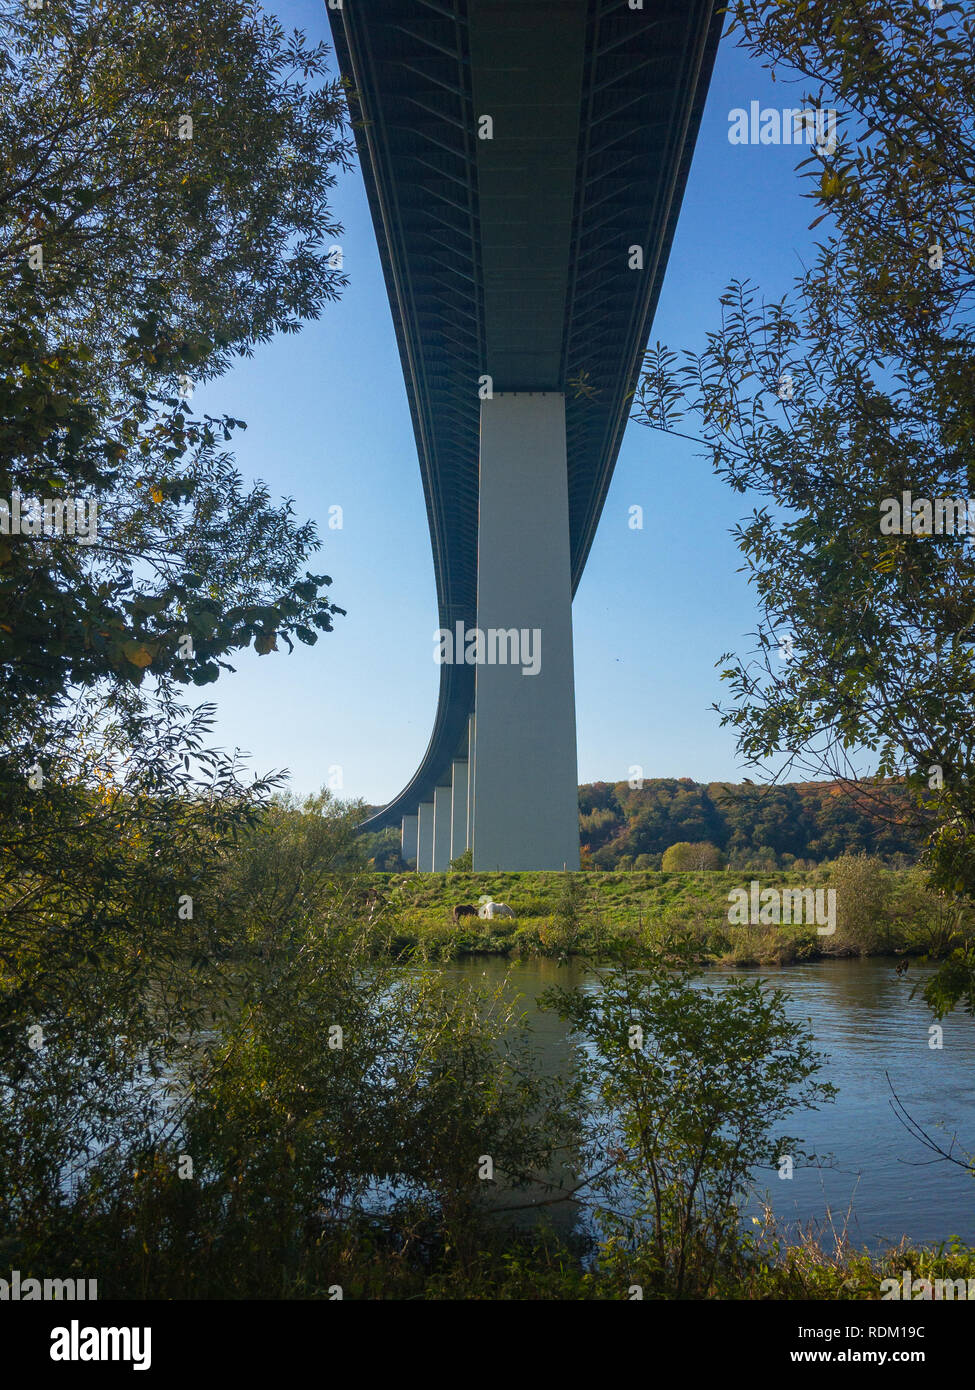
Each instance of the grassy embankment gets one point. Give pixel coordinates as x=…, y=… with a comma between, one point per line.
x=880, y=911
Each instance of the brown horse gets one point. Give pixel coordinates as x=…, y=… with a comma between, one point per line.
x=464, y=910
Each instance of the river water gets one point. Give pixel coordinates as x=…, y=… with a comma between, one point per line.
x=883, y=1183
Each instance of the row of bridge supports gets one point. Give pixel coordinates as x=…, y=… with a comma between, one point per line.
x=441, y=829
x=510, y=794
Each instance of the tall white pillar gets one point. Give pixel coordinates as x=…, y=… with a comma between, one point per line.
x=441, y=830
x=408, y=838
x=471, y=750
x=525, y=785
x=458, y=807
x=424, y=851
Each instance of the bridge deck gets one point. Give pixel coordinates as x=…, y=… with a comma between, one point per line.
x=510, y=257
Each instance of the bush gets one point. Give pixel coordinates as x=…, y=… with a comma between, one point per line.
x=684, y=857
x=336, y=1112
x=688, y=1084
x=862, y=887
x=934, y=921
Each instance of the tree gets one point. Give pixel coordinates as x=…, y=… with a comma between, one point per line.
x=597, y=796
x=756, y=816
x=107, y=879
x=163, y=207
x=748, y=822
x=335, y=1109
x=597, y=827
x=688, y=1084
x=862, y=897
x=834, y=402
x=683, y=857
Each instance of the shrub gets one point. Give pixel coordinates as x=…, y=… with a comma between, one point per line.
x=862, y=893
x=684, y=857
x=689, y=1084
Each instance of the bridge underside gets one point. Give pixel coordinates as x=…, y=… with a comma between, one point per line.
x=524, y=162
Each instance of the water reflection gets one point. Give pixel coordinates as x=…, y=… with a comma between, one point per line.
x=883, y=1183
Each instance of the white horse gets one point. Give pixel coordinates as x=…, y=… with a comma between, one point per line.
x=490, y=910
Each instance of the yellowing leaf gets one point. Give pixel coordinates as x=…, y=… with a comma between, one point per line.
x=138, y=653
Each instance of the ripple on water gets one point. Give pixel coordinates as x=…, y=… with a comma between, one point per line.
x=865, y=1021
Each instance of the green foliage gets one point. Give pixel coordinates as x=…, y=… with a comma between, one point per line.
x=856, y=387
x=95, y=864
x=381, y=850
x=683, y=856
x=211, y=1039
x=173, y=176
x=862, y=896
x=646, y=906
x=135, y=1038
x=163, y=201
x=686, y=1085
x=759, y=827
x=297, y=862
x=569, y=902
x=222, y=1073
x=953, y=985
x=564, y=931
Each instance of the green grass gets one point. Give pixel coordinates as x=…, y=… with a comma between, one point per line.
x=648, y=906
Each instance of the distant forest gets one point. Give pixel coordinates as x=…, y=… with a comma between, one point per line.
x=795, y=825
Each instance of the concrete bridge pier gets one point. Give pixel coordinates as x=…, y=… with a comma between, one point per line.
x=471, y=758
x=525, y=799
x=458, y=807
x=441, y=829
x=424, y=851
x=408, y=838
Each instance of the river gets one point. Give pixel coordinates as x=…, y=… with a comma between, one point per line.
x=882, y=1184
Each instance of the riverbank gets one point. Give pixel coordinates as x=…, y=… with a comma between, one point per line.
x=767, y=1269
x=878, y=912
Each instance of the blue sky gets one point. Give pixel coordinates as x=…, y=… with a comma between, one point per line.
x=328, y=425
